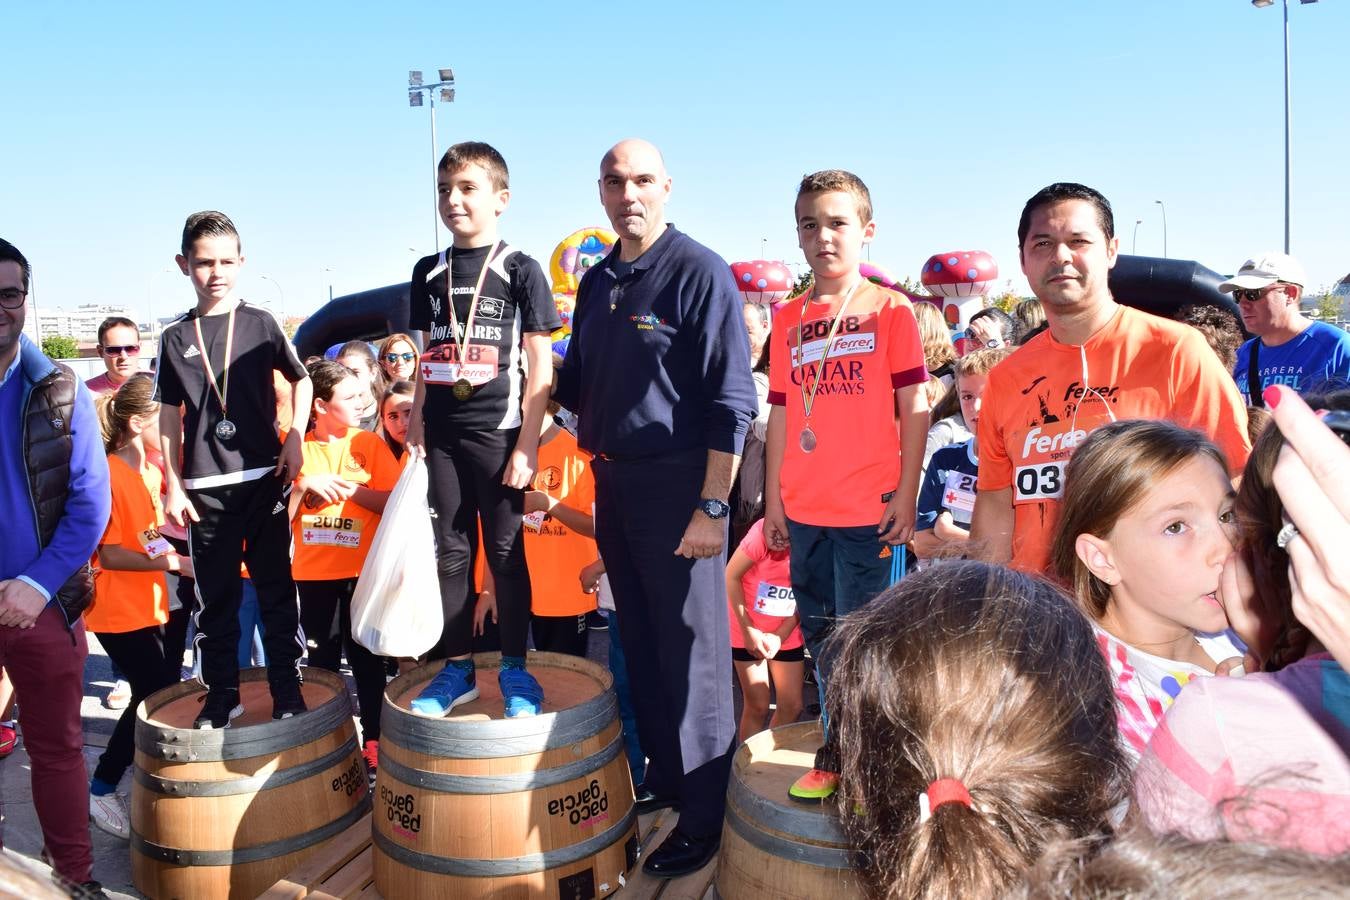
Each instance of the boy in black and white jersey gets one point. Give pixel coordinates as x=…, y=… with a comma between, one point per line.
x=232, y=484
x=485, y=312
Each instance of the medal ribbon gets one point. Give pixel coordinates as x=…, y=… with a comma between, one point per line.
x=221, y=392
x=808, y=402
x=462, y=346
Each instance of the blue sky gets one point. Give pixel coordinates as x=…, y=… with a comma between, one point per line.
x=293, y=118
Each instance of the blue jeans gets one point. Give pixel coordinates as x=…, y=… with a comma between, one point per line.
x=834, y=571
x=251, y=652
x=637, y=762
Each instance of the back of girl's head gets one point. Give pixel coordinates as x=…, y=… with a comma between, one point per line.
x=1109, y=474
x=1144, y=866
x=1260, y=515
x=984, y=675
x=1030, y=315
x=327, y=375
x=136, y=397
x=938, y=348
x=357, y=348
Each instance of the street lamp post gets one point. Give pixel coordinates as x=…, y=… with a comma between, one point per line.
x=1134, y=244
x=280, y=292
x=446, y=87
x=1164, y=214
x=1287, y=161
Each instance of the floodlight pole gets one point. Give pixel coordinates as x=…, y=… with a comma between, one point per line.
x=416, y=89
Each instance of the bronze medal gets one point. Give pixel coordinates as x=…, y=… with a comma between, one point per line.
x=807, y=439
x=462, y=389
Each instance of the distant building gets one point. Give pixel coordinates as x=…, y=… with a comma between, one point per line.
x=82, y=323
x=1342, y=288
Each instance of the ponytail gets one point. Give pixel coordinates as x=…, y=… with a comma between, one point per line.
x=981, y=689
x=134, y=398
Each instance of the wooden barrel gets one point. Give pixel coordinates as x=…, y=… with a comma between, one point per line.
x=771, y=846
x=476, y=805
x=227, y=812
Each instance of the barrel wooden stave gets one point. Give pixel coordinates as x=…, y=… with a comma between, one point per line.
x=208, y=822
x=772, y=847
x=519, y=798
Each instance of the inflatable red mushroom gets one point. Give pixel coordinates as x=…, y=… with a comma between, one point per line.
x=960, y=273
x=762, y=281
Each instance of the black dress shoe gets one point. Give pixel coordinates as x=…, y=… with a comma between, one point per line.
x=647, y=802
x=681, y=854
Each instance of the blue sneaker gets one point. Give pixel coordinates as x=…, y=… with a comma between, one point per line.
x=521, y=694
x=452, y=687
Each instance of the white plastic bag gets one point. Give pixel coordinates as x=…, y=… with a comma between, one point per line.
x=396, y=609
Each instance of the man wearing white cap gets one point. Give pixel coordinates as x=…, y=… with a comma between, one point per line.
x=1289, y=348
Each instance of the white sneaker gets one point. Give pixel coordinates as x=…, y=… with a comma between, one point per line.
x=119, y=696
x=109, y=814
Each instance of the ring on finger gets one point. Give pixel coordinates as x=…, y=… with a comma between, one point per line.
x=1286, y=534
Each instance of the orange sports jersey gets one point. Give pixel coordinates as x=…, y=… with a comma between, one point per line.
x=1041, y=403
x=855, y=466
x=554, y=553
x=128, y=601
x=331, y=539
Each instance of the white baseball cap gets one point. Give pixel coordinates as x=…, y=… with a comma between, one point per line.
x=1264, y=270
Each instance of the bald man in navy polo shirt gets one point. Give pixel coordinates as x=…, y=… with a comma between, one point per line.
x=659, y=376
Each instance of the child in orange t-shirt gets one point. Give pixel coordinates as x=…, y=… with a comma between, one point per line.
x=841, y=478
x=131, y=600
x=345, y=480
x=559, y=540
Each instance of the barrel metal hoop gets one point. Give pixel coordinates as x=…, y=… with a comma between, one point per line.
x=505, y=866
x=812, y=826
x=781, y=848
x=239, y=856
x=216, y=744
x=501, y=784
x=498, y=738
x=249, y=785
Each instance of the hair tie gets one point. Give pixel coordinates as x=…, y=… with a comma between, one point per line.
x=943, y=790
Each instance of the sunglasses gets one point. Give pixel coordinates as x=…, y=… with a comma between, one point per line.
x=392, y=358
x=1254, y=294
x=129, y=350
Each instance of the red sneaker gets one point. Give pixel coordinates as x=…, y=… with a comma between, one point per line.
x=816, y=786
x=9, y=739
x=371, y=754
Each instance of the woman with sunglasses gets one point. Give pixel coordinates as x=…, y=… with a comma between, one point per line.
x=398, y=358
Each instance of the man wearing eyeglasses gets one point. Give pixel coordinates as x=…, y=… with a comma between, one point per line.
x=55, y=500
x=119, y=343
x=1289, y=348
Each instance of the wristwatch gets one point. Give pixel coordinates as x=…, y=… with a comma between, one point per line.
x=714, y=508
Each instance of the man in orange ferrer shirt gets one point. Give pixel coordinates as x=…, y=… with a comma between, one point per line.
x=1097, y=362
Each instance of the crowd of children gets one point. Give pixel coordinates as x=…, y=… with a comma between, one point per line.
x=985, y=731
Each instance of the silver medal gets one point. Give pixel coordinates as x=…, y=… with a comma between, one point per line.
x=807, y=439
x=225, y=430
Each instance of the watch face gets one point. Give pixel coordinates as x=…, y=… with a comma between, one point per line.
x=715, y=509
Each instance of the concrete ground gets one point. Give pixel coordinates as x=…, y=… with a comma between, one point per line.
x=112, y=859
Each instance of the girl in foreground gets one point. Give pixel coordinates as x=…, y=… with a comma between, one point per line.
x=344, y=482
x=1261, y=758
x=976, y=726
x=131, y=599
x=1147, y=526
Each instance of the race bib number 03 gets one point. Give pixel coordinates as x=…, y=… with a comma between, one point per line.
x=773, y=600
x=1043, y=481
x=330, y=531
